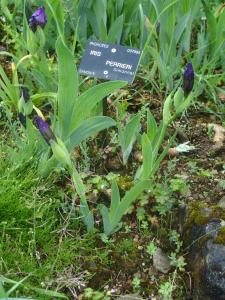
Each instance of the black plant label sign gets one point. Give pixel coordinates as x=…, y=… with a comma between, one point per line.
x=111, y=62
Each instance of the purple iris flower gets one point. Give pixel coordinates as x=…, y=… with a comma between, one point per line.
x=22, y=119
x=44, y=129
x=188, y=79
x=25, y=94
x=38, y=18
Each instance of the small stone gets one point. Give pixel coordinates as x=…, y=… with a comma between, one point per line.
x=221, y=203
x=138, y=156
x=161, y=261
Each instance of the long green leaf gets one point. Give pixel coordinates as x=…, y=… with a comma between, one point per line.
x=102, y=31
x=156, y=165
x=84, y=208
x=133, y=194
x=88, y=128
x=166, y=109
x=127, y=200
x=147, y=153
x=160, y=63
x=115, y=31
x=184, y=105
x=151, y=126
x=131, y=130
x=178, y=98
x=130, y=8
x=49, y=293
x=2, y=291
x=17, y=284
x=212, y=28
x=105, y=217
x=89, y=99
x=91, y=17
x=128, y=136
x=99, y=9
x=9, y=89
x=115, y=199
x=57, y=11
x=68, y=87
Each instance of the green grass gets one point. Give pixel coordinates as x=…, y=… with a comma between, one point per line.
x=41, y=236
x=34, y=230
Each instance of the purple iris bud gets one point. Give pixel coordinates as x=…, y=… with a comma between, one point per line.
x=188, y=79
x=25, y=94
x=44, y=129
x=22, y=119
x=38, y=18
x=158, y=28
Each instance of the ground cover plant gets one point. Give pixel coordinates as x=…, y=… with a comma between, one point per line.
x=91, y=205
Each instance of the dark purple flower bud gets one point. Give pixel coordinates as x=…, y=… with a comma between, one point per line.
x=22, y=119
x=188, y=79
x=38, y=18
x=44, y=129
x=158, y=28
x=25, y=94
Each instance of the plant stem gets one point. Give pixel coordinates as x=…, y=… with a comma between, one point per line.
x=80, y=188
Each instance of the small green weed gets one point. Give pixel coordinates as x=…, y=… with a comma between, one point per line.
x=136, y=283
x=151, y=249
x=165, y=290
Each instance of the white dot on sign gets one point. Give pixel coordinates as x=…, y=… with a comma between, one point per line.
x=105, y=72
x=113, y=50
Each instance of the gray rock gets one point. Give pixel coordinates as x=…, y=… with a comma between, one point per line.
x=207, y=261
x=161, y=261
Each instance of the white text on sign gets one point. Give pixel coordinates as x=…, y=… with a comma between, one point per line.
x=95, y=53
x=118, y=65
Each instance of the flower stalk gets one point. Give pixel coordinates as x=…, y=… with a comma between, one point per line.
x=61, y=153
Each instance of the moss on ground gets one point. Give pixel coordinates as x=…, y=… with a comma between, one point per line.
x=39, y=237
x=33, y=237
x=201, y=213
x=220, y=238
